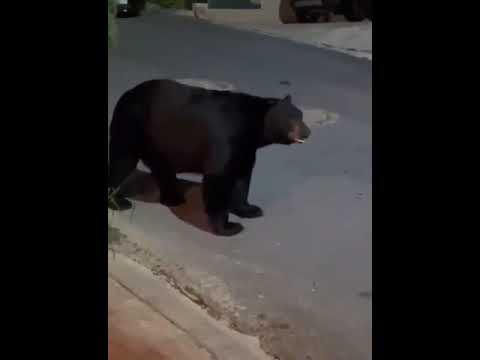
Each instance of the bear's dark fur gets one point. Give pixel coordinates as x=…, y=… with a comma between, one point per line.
x=175, y=128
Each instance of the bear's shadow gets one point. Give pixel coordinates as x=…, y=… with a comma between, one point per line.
x=142, y=187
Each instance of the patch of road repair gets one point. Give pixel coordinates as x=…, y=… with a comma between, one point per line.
x=207, y=84
x=319, y=117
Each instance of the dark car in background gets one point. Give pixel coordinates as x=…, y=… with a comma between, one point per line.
x=130, y=8
x=356, y=10
x=310, y=11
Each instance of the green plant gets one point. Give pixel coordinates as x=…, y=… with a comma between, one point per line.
x=111, y=197
x=114, y=191
x=112, y=25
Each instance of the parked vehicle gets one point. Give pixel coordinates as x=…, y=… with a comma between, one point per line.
x=310, y=11
x=130, y=8
x=356, y=10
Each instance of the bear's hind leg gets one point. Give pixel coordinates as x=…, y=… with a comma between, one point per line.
x=166, y=178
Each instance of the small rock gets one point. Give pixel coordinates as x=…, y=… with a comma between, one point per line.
x=259, y=272
x=261, y=316
x=365, y=294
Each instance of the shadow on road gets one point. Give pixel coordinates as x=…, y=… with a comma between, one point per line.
x=142, y=187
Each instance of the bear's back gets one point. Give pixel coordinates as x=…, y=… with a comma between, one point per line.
x=184, y=123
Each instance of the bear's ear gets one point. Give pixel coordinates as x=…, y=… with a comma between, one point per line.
x=288, y=98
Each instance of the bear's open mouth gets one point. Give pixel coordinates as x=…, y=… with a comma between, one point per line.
x=297, y=136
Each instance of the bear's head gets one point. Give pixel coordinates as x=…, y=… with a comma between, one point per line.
x=284, y=123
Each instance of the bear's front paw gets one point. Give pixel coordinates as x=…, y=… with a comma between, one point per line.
x=248, y=211
x=172, y=200
x=222, y=227
x=228, y=229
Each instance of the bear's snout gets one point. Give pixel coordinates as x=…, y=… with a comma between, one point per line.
x=305, y=131
x=300, y=133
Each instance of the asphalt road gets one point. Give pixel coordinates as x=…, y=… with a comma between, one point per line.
x=308, y=261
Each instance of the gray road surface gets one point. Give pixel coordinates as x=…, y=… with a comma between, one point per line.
x=308, y=261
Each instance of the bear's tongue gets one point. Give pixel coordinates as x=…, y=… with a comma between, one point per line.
x=299, y=141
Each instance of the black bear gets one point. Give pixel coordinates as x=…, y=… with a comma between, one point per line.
x=175, y=128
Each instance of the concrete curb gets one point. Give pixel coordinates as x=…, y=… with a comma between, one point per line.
x=136, y=331
x=255, y=28
x=215, y=337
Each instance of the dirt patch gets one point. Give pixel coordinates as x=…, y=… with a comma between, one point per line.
x=114, y=235
x=191, y=283
x=319, y=117
x=207, y=84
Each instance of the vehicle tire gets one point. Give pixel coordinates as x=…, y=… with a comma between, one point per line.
x=353, y=11
x=305, y=17
x=302, y=17
x=369, y=11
